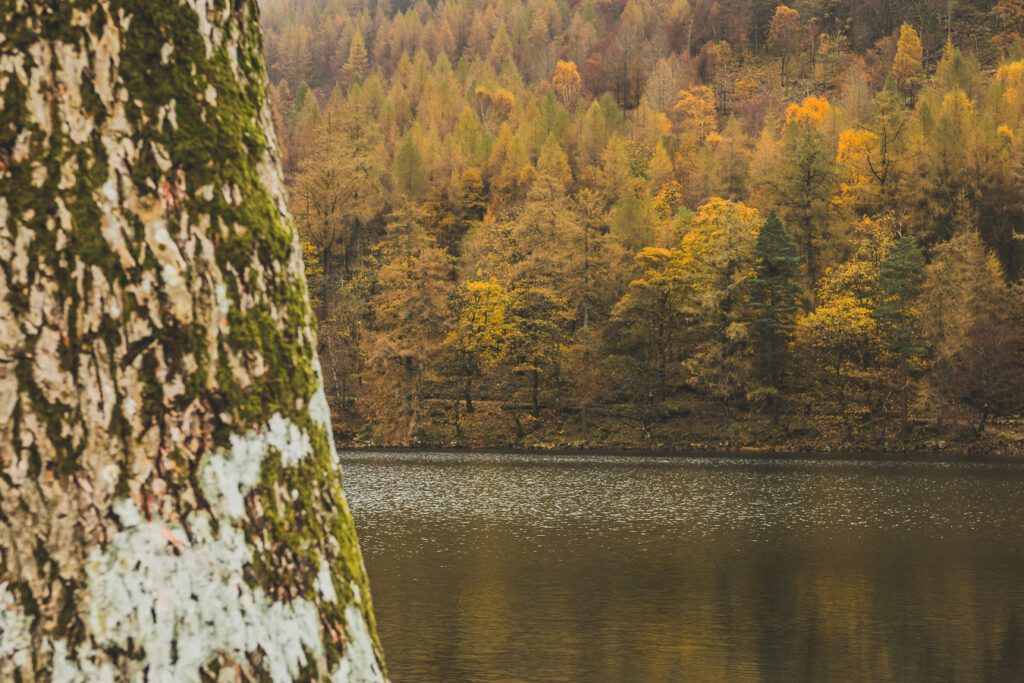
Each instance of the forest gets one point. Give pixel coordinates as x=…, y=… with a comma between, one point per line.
x=660, y=223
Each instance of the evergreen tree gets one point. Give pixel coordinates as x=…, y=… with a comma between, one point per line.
x=899, y=284
x=775, y=299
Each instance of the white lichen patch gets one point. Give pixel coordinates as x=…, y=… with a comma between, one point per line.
x=325, y=582
x=228, y=475
x=15, y=637
x=82, y=670
x=359, y=665
x=320, y=411
x=186, y=602
x=181, y=595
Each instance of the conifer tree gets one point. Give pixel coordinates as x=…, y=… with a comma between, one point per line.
x=899, y=284
x=802, y=188
x=906, y=65
x=358, y=63
x=408, y=173
x=775, y=295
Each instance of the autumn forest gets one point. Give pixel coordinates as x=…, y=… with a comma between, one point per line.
x=660, y=222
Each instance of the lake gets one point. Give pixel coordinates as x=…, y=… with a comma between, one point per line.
x=493, y=567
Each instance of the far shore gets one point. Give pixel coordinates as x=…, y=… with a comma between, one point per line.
x=698, y=452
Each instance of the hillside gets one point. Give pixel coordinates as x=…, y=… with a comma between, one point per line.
x=644, y=223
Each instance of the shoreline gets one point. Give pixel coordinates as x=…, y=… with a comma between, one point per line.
x=766, y=454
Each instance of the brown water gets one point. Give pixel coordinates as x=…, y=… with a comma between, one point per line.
x=490, y=567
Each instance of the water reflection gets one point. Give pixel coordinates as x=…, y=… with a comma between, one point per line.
x=591, y=568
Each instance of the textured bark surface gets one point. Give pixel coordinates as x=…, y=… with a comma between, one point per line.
x=170, y=500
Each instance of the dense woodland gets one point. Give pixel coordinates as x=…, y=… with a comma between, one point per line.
x=608, y=222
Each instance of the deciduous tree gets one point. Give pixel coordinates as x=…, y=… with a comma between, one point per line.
x=784, y=36
x=170, y=497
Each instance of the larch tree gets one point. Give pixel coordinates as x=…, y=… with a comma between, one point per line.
x=784, y=36
x=358, y=63
x=719, y=252
x=170, y=499
x=803, y=182
x=906, y=65
x=971, y=321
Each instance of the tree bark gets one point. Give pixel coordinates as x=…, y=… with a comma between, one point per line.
x=170, y=499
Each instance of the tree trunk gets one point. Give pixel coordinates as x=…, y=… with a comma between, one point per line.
x=536, y=392
x=170, y=499
x=467, y=393
x=983, y=420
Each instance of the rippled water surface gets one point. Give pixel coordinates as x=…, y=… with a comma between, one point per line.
x=490, y=567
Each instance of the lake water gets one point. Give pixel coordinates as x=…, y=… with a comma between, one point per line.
x=488, y=567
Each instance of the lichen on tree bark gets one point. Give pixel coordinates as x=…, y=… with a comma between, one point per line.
x=161, y=409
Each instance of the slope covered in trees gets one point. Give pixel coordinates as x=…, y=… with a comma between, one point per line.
x=639, y=222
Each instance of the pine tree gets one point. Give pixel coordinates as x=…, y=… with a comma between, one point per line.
x=899, y=285
x=775, y=294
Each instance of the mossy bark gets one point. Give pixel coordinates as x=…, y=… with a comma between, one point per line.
x=153, y=310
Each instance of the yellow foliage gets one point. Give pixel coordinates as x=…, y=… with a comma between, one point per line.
x=957, y=105
x=567, y=82
x=837, y=329
x=812, y=111
x=721, y=238
x=482, y=322
x=694, y=111
x=662, y=124
x=906, y=65
x=498, y=103
x=745, y=87
x=1011, y=77
x=855, y=150
x=311, y=259
x=857, y=277
x=1011, y=74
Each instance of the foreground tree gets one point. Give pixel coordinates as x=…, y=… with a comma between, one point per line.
x=170, y=499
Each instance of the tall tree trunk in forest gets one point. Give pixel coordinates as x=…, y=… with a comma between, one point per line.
x=170, y=499
x=467, y=393
x=535, y=391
